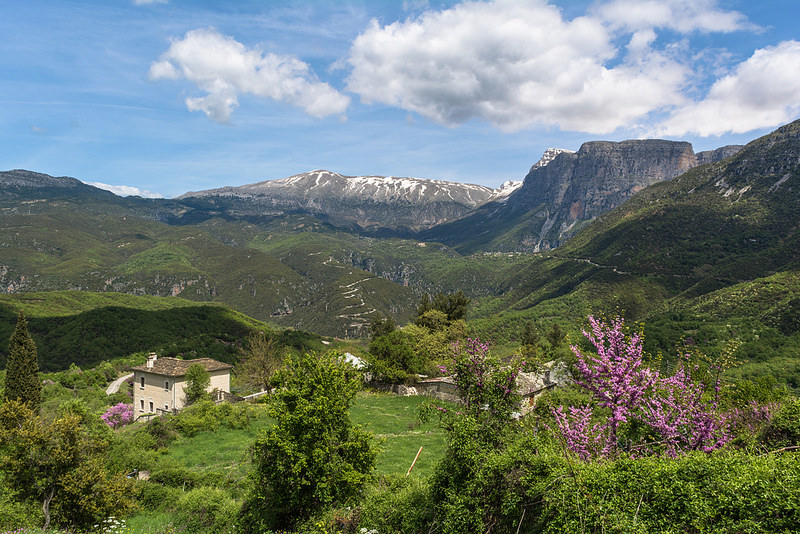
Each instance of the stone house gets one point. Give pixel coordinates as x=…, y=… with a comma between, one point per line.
x=158, y=384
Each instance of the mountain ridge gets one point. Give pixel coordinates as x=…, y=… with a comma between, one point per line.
x=369, y=202
x=568, y=191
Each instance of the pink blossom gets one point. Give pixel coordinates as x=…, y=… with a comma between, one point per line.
x=118, y=415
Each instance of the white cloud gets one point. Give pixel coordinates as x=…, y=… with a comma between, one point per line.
x=514, y=64
x=683, y=16
x=126, y=190
x=762, y=92
x=225, y=68
x=148, y=2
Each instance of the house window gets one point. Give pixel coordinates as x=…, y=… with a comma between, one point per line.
x=142, y=406
x=141, y=385
x=166, y=406
x=166, y=385
x=151, y=406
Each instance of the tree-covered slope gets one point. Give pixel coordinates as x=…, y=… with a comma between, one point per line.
x=711, y=256
x=86, y=328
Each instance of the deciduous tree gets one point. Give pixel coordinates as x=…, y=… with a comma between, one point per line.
x=197, y=382
x=261, y=358
x=58, y=464
x=313, y=457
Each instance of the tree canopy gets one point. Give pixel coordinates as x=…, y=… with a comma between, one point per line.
x=197, y=382
x=22, y=367
x=453, y=305
x=313, y=457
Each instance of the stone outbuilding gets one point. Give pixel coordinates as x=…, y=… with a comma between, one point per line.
x=158, y=384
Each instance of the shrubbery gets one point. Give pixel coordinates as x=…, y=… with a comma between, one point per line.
x=313, y=458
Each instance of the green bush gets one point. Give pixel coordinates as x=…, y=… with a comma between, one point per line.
x=152, y=496
x=162, y=430
x=14, y=513
x=205, y=415
x=398, y=504
x=784, y=428
x=176, y=477
x=392, y=357
x=206, y=509
x=721, y=493
x=200, y=416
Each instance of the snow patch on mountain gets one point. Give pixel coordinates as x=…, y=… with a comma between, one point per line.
x=383, y=189
x=549, y=155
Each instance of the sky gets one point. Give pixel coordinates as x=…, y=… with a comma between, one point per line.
x=161, y=97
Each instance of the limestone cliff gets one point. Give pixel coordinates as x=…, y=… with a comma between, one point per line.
x=565, y=190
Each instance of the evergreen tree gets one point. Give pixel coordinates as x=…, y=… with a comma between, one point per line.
x=22, y=368
x=453, y=305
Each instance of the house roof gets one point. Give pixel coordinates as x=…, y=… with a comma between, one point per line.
x=176, y=367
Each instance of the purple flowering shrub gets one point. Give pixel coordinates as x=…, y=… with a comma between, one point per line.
x=487, y=391
x=485, y=388
x=118, y=415
x=678, y=413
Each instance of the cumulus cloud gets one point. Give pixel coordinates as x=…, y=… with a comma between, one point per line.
x=513, y=64
x=520, y=63
x=125, y=190
x=762, y=92
x=225, y=68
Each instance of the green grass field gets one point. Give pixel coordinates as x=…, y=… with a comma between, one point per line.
x=391, y=418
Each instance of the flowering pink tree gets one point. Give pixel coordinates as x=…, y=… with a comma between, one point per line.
x=676, y=408
x=580, y=435
x=617, y=376
x=682, y=415
x=118, y=415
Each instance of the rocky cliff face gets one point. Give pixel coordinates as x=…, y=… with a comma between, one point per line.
x=577, y=187
x=565, y=190
x=713, y=156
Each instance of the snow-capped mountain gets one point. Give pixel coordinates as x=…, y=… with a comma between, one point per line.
x=368, y=201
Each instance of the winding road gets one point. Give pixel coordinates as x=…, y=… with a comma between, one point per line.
x=113, y=387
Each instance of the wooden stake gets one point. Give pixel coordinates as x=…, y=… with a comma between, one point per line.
x=414, y=462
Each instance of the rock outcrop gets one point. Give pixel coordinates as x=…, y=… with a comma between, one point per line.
x=712, y=156
x=577, y=187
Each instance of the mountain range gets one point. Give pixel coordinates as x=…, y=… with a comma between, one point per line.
x=366, y=202
x=647, y=227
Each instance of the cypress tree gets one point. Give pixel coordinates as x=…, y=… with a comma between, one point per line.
x=22, y=367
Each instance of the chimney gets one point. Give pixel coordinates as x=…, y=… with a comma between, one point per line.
x=151, y=360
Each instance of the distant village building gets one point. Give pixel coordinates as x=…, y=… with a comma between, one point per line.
x=158, y=384
x=532, y=385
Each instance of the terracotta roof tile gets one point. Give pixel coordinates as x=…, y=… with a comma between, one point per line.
x=176, y=367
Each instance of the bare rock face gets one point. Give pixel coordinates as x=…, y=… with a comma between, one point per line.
x=574, y=188
x=566, y=190
x=713, y=156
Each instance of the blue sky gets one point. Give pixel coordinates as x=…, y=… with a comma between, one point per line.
x=176, y=95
